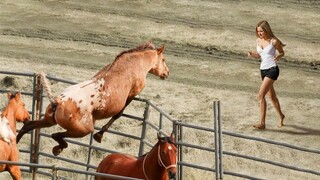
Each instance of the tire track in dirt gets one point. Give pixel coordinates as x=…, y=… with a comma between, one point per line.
x=174, y=48
x=201, y=53
x=161, y=17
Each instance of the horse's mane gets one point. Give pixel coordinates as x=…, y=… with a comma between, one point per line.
x=142, y=47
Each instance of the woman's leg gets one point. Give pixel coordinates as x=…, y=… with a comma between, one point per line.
x=267, y=83
x=276, y=104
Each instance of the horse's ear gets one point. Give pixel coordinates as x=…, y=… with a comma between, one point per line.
x=172, y=139
x=9, y=94
x=160, y=49
x=18, y=95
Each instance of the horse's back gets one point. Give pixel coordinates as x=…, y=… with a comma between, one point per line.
x=115, y=160
x=117, y=164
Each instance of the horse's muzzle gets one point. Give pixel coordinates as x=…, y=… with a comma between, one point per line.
x=164, y=76
x=171, y=175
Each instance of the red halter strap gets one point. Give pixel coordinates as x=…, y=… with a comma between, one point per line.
x=159, y=161
x=144, y=171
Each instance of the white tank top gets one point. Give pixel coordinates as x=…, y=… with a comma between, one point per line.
x=267, y=56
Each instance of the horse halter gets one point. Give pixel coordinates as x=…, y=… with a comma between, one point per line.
x=159, y=161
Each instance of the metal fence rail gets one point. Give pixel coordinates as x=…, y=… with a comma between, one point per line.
x=36, y=135
x=56, y=169
x=257, y=139
x=148, y=124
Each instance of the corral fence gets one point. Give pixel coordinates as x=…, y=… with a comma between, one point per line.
x=41, y=162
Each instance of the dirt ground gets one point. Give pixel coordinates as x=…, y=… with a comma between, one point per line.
x=205, y=48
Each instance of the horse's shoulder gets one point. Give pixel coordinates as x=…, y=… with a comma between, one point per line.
x=6, y=133
x=129, y=156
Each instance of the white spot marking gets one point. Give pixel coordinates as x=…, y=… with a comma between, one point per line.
x=82, y=92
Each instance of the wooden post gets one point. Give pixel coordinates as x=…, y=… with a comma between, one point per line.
x=36, y=136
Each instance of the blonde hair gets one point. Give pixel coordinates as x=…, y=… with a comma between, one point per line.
x=267, y=29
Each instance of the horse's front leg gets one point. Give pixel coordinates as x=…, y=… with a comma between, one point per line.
x=30, y=125
x=14, y=172
x=98, y=136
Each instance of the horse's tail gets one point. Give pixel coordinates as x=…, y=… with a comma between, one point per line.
x=46, y=86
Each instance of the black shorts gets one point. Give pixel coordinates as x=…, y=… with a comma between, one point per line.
x=272, y=73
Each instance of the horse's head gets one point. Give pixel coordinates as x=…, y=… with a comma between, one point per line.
x=167, y=154
x=160, y=68
x=15, y=101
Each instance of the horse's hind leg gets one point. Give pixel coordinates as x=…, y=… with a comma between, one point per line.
x=30, y=125
x=62, y=143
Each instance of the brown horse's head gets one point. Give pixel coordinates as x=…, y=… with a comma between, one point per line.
x=167, y=154
x=160, y=68
x=15, y=101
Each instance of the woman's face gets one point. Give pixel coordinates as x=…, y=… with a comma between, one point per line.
x=261, y=33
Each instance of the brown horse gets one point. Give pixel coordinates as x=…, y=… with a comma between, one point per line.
x=106, y=95
x=159, y=164
x=14, y=111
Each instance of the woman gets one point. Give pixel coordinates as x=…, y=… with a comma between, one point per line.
x=267, y=45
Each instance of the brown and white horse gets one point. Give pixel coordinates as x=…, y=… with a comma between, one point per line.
x=14, y=111
x=159, y=164
x=105, y=95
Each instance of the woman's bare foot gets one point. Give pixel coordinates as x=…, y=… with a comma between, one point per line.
x=281, y=121
x=259, y=126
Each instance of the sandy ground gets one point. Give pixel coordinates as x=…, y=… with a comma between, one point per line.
x=205, y=47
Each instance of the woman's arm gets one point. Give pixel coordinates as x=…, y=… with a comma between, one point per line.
x=253, y=54
x=277, y=44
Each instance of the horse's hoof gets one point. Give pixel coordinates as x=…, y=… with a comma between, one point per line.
x=56, y=150
x=97, y=136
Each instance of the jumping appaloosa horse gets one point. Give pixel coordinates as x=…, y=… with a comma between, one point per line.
x=159, y=164
x=106, y=95
x=14, y=111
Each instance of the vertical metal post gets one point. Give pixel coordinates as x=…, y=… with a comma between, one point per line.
x=216, y=139
x=160, y=121
x=89, y=154
x=174, y=131
x=220, y=142
x=54, y=173
x=144, y=129
x=36, y=137
x=180, y=157
x=34, y=99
